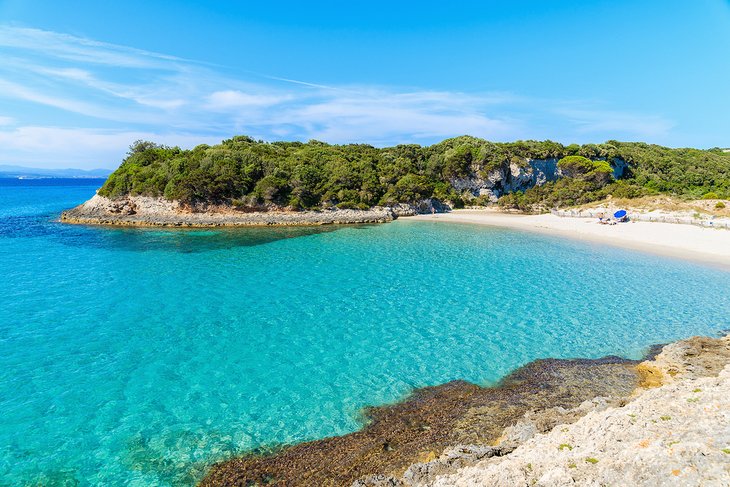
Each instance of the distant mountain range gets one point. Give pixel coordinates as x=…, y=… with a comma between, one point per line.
x=36, y=172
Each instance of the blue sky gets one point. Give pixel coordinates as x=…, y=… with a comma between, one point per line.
x=81, y=80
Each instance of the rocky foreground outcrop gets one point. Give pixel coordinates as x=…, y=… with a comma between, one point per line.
x=610, y=421
x=431, y=420
x=149, y=211
x=674, y=431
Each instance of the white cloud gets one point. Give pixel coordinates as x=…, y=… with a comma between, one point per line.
x=17, y=91
x=384, y=118
x=80, y=49
x=80, y=147
x=140, y=94
x=232, y=99
x=614, y=122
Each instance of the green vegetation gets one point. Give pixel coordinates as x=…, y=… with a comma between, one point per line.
x=592, y=460
x=578, y=167
x=565, y=446
x=250, y=174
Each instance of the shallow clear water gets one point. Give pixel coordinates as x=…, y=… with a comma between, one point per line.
x=139, y=356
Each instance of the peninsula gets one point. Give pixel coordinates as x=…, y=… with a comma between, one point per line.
x=247, y=182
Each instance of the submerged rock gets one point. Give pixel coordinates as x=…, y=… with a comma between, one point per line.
x=429, y=422
x=552, y=422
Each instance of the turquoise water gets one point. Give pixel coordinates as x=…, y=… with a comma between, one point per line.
x=137, y=357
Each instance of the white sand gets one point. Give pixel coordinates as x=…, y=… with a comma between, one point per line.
x=707, y=245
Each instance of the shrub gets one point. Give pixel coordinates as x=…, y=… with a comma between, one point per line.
x=410, y=188
x=579, y=167
x=719, y=205
x=625, y=189
x=575, y=166
x=271, y=189
x=710, y=196
x=457, y=161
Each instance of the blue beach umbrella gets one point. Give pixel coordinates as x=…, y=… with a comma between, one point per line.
x=620, y=214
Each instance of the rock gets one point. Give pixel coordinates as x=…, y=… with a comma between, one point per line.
x=451, y=459
x=674, y=434
x=507, y=178
x=517, y=176
x=148, y=211
x=378, y=480
x=688, y=359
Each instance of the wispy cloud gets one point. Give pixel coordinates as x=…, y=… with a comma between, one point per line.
x=374, y=117
x=228, y=100
x=82, y=147
x=20, y=92
x=623, y=123
x=85, y=101
x=79, y=49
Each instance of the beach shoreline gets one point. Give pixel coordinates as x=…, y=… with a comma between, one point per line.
x=688, y=242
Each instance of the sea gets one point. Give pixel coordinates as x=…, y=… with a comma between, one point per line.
x=140, y=356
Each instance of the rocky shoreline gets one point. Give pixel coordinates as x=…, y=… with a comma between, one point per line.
x=674, y=430
x=462, y=434
x=159, y=212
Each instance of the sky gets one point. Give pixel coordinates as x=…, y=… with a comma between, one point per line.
x=81, y=80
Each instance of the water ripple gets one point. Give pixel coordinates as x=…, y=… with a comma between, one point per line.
x=140, y=356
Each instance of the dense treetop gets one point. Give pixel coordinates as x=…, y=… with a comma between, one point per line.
x=249, y=173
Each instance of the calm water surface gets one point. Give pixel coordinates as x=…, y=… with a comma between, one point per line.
x=139, y=356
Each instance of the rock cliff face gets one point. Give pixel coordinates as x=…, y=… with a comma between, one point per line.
x=518, y=176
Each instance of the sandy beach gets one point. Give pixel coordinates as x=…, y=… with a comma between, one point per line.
x=707, y=245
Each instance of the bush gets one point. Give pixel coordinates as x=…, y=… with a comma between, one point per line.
x=575, y=166
x=710, y=196
x=719, y=205
x=625, y=189
x=271, y=189
x=409, y=189
x=579, y=167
